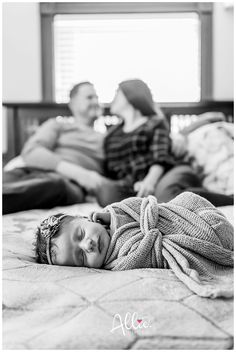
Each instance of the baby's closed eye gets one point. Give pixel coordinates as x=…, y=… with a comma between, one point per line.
x=78, y=235
x=81, y=234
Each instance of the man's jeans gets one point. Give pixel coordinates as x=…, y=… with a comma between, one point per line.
x=29, y=188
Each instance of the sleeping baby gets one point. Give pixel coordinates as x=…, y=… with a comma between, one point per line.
x=187, y=235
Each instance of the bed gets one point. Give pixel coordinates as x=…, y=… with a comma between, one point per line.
x=52, y=307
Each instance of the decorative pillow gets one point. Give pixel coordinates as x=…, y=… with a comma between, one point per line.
x=210, y=150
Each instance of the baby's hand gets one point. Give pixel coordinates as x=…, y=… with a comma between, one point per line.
x=102, y=218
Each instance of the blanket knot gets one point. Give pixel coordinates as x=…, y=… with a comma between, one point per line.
x=148, y=225
x=149, y=214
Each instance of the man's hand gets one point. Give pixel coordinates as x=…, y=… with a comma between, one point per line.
x=144, y=188
x=90, y=180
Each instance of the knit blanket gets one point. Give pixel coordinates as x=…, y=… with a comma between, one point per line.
x=188, y=235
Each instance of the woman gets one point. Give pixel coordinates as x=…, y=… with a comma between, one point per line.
x=138, y=149
x=138, y=154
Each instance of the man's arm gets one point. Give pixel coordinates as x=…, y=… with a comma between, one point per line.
x=38, y=150
x=88, y=179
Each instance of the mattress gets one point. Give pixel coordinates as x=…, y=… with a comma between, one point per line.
x=53, y=307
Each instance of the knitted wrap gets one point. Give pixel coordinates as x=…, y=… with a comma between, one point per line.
x=188, y=235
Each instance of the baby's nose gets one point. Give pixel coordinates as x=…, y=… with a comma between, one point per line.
x=89, y=245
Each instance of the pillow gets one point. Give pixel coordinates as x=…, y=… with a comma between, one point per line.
x=179, y=140
x=210, y=151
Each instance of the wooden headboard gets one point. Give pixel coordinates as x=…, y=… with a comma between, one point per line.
x=23, y=118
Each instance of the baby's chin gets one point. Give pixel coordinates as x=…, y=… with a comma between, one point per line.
x=97, y=263
x=104, y=244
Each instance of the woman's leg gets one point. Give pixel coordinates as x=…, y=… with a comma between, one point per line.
x=182, y=178
x=217, y=199
x=112, y=191
x=177, y=180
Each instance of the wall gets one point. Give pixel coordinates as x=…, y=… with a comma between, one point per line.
x=223, y=52
x=21, y=56
x=21, y=52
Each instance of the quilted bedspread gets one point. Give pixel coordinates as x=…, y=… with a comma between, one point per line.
x=52, y=307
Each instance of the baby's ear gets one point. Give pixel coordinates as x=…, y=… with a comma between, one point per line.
x=102, y=218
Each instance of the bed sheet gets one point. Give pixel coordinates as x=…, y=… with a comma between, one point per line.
x=52, y=307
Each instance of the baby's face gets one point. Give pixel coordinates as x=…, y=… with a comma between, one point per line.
x=81, y=243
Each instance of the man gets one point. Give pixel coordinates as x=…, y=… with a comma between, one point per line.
x=63, y=159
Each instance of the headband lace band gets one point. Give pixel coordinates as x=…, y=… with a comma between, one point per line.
x=48, y=229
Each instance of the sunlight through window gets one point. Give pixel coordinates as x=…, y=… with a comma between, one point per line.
x=161, y=49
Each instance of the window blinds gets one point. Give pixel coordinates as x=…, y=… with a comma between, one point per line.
x=162, y=49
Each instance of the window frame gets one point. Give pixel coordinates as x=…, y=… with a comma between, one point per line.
x=49, y=10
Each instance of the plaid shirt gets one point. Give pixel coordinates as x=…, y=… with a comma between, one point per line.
x=130, y=155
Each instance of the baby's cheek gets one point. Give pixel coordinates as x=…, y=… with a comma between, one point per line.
x=95, y=262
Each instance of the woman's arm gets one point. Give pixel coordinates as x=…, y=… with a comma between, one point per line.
x=148, y=184
x=160, y=145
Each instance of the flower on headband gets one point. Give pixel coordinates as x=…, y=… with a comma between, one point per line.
x=44, y=232
x=50, y=226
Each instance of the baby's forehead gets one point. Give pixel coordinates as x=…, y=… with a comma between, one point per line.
x=62, y=241
x=72, y=225
x=69, y=226
x=79, y=221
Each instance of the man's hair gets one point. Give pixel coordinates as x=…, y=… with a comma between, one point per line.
x=76, y=88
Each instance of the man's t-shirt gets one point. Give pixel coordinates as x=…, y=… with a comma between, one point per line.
x=62, y=138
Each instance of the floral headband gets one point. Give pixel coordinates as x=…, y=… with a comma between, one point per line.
x=48, y=229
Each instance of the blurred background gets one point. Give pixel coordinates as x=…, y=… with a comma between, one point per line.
x=184, y=51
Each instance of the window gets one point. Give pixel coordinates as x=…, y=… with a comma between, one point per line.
x=168, y=45
x=162, y=49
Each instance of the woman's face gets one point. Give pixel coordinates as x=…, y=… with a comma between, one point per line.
x=119, y=103
x=81, y=243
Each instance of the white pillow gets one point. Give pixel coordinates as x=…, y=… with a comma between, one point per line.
x=210, y=150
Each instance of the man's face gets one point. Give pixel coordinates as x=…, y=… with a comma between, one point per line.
x=119, y=103
x=85, y=103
